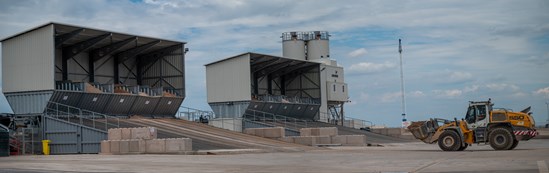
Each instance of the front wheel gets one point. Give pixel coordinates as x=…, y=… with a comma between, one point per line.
x=449, y=141
x=501, y=139
x=515, y=143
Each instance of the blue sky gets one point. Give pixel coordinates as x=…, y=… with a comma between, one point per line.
x=454, y=51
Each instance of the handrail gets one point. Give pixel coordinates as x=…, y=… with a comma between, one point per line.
x=287, y=122
x=81, y=114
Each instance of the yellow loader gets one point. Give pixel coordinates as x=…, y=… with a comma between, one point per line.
x=483, y=124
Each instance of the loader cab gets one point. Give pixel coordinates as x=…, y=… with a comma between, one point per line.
x=478, y=114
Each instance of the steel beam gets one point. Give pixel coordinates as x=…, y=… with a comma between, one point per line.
x=59, y=40
x=154, y=56
x=73, y=50
x=131, y=53
x=99, y=53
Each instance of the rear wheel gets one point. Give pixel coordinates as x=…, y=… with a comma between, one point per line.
x=515, y=143
x=449, y=141
x=501, y=139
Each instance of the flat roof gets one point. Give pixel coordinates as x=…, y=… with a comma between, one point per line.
x=62, y=25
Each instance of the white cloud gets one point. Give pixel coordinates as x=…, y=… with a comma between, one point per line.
x=469, y=89
x=502, y=86
x=542, y=91
x=358, y=52
x=390, y=97
x=448, y=93
x=416, y=94
x=368, y=67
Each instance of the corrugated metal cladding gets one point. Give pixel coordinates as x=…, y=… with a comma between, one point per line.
x=229, y=110
x=171, y=68
x=27, y=61
x=119, y=105
x=70, y=138
x=229, y=80
x=168, y=106
x=114, y=104
x=144, y=105
x=300, y=111
x=77, y=73
x=28, y=102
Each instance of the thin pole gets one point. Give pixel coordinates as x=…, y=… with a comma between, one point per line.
x=402, y=84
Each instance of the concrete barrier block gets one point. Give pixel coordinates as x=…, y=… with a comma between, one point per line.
x=155, y=146
x=394, y=131
x=315, y=132
x=126, y=133
x=259, y=132
x=305, y=140
x=124, y=146
x=287, y=139
x=356, y=140
x=105, y=147
x=249, y=131
x=188, y=144
x=114, y=134
x=115, y=146
x=339, y=139
x=173, y=145
x=144, y=133
x=137, y=146
x=327, y=131
x=305, y=132
x=274, y=132
x=323, y=140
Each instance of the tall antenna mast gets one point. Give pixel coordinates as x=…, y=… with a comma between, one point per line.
x=404, y=121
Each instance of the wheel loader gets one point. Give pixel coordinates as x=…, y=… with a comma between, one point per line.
x=483, y=124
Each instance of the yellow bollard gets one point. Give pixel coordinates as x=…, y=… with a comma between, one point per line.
x=46, y=147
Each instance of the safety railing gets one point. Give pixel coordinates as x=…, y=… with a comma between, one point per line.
x=276, y=120
x=143, y=90
x=81, y=116
x=191, y=114
x=286, y=99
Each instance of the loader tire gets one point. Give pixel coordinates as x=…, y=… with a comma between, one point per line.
x=449, y=141
x=515, y=143
x=501, y=139
x=463, y=147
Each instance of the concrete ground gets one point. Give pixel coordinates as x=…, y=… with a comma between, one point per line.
x=529, y=156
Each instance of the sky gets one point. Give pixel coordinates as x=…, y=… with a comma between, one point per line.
x=453, y=51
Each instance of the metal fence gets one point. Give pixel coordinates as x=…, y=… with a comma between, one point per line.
x=82, y=117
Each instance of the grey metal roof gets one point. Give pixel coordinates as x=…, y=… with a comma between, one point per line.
x=254, y=55
x=57, y=24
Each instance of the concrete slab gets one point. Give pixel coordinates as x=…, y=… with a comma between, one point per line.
x=305, y=132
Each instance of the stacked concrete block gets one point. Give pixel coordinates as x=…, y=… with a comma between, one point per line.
x=105, y=147
x=350, y=140
x=115, y=134
x=287, y=139
x=270, y=132
x=320, y=131
x=323, y=139
x=142, y=140
x=137, y=146
x=143, y=133
x=305, y=140
x=155, y=146
x=126, y=133
x=177, y=145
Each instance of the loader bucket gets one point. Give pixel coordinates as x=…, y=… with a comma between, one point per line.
x=424, y=130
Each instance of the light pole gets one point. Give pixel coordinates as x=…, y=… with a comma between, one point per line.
x=404, y=124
